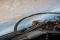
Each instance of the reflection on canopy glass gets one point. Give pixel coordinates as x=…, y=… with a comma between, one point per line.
x=42, y=17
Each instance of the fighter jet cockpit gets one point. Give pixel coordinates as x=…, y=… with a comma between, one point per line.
x=40, y=26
